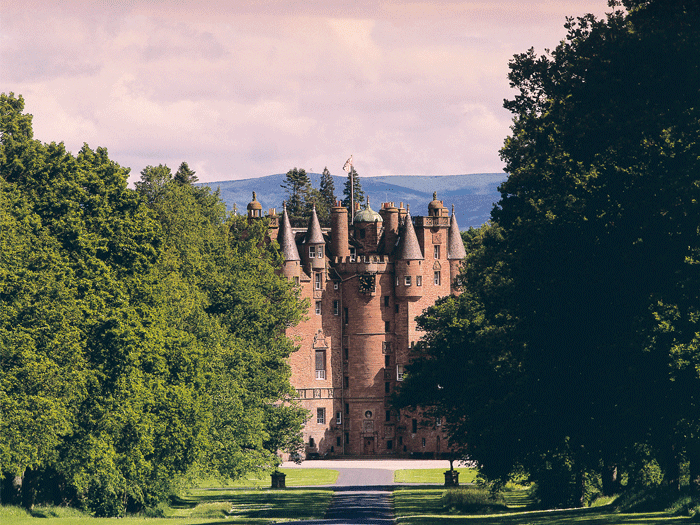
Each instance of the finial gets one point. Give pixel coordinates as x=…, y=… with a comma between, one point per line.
x=253, y=195
x=284, y=204
x=435, y=195
x=453, y=209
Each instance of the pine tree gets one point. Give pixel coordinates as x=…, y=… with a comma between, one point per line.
x=326, y=198
x=298, y=186
x=184, y=175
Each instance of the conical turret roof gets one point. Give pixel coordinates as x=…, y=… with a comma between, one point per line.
x=285, y=238
x=409, y=249
x=455, y=245
x=314, y=235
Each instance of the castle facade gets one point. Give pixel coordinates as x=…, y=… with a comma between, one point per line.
x=366, y=280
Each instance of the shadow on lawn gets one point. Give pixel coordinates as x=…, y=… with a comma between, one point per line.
x=259, y=504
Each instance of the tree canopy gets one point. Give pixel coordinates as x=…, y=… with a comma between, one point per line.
x=140, y=330
x=577, y=329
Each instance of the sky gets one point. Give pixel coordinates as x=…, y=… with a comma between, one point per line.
x=245, y=88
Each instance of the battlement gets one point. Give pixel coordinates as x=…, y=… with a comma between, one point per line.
x=363, y=264
x=431, y=222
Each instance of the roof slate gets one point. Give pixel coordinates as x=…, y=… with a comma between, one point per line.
x=285, y=237
x=409, y=249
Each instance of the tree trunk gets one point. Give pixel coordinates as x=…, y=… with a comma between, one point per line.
x=611, y=479
x=580, y=495
x=16, y=494
x=695, y=473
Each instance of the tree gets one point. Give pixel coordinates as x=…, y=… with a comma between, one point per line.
x=326, y=198
x=298, y=187
x=153, y=181
x=359, y=195
x=580, y=293
x=184, y=175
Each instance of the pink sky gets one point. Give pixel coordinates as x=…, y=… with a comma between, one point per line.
x=246, y=88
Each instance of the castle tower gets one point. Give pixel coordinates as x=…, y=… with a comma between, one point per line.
x=390, y=214
x=291, y=267
x=339, y=231
x=455, y=252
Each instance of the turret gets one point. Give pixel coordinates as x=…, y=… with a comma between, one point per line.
x=291, y=266
x=339, y=231
x=254, y=209
x=368, y=226
x=455, y=251
x=314, y=245
x=408, y=263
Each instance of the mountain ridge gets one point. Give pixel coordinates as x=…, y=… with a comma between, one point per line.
x=473, y=195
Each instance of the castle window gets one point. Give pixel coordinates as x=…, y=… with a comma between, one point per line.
x=346, y=382
x=347, y=438
x=387, y=416
x=399, y=372
x=423, y=442
x=296, y=280
x=347, y=408
x=419, y=280
x=312, y=443
x=438, y=422
x=336, y=308
x=407, y=280
x=386, y=301
x=318, y=276
x=353, y=254
x=338, y=421
x=312, y=252
x=436, y=278
x=345, y=353
x=414, y=426
x=320, y=252
x=387, y=388
x=436, y=251
x=320, y=364
x=396, y=308
x=321, y=416
x=389, y=444
x=318, y=307
x=387, y=361
x=337, y=441
x=398, y=281
x=362, y=233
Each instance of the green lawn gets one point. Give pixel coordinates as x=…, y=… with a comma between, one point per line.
x=296, y=477
x=432, y=475
x=211, y=503
x=423, y=506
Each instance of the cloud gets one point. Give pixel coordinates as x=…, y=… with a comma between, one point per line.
x=249, y=88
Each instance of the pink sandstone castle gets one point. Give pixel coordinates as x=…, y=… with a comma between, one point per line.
x=366, y=281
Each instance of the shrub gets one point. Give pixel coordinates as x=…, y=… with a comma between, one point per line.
x=473, y=500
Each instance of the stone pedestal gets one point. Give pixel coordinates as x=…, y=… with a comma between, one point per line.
x=451, y=478
x=278, y=480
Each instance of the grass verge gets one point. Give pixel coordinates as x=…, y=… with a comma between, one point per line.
x=429, y=506
x=296, y=477
x=432, y=475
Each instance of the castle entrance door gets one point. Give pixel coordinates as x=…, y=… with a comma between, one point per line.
x=368, y=446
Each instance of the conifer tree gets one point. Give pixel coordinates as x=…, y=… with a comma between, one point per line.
x=298, y=186
x=325, y=199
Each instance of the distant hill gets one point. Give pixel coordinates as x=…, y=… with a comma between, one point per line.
x=473, y=195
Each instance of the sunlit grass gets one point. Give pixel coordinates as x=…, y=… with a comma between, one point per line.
x=200, y=507
x=295, y=477
x=432, y=475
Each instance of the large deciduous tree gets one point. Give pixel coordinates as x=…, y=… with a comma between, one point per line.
x=580, y=301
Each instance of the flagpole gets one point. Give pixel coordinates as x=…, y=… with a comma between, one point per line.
x=352, y=197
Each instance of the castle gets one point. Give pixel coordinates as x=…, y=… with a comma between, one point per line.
x=366, y=280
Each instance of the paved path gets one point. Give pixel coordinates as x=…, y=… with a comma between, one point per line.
x=363, y=489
